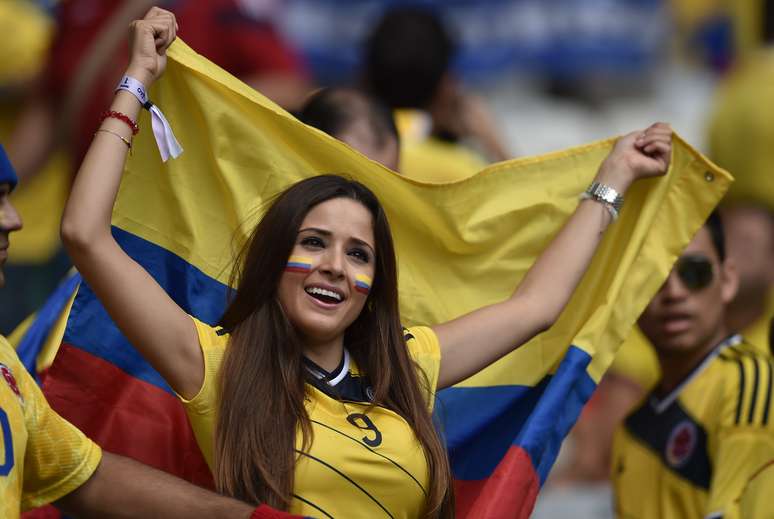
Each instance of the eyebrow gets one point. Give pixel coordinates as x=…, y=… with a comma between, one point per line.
x=328, y=233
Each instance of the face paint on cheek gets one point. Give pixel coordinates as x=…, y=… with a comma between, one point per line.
x=363, y=283
x=299, y=264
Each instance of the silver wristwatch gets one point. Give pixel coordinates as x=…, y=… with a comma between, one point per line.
x=607, y=195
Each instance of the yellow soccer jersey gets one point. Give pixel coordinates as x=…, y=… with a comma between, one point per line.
x=42, y=456
x=362, y=463
x=702, y=450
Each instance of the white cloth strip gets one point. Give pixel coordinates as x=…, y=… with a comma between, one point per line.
x=162, y=131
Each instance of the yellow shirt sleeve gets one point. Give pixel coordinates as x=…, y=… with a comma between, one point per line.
x=56, y=457
x=202, y=408
x=755, y=500
x=745, y=438
x=425, y=351
x=744, y=463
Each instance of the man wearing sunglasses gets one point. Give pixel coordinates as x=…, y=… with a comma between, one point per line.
x=702, y=443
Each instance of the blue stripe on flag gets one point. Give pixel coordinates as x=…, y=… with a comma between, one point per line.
x=480, y=424
x=92, y=330
x=35, y=336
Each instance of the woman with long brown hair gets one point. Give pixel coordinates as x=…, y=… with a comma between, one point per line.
x=310, y=396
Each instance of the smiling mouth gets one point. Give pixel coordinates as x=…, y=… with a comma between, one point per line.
x=324, y=295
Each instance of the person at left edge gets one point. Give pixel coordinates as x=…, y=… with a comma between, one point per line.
x=44, y=458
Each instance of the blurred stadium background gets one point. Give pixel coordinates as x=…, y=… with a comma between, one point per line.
x=555, y=73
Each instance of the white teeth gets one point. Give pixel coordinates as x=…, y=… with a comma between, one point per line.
x=323, y=292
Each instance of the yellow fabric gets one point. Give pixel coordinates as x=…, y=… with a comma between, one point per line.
x=690, y=13
x=757, y=333
x=428, y=159
x=736, y=415
x=49, y=457
x=755, y=499
x=41, y=200
x=741, y=131
x=53, y=340
x=18, y=333
x=40, y=203
x=27, y=34
x=745, y=17
x=435, y=161
x=339, y=448
x=637, y=361
x=461, y=245
x=747, y=21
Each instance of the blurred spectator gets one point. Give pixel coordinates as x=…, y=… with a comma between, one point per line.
x=741, y=132
x=407, y=66
x=705, y=31
x=88, y=54
x=356, y=119
x=27, y=32
x=701, y=444
x=750, y=231
x=86, y=58
x=27, y=35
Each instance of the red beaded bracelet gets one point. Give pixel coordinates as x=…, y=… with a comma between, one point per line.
x=121, y=117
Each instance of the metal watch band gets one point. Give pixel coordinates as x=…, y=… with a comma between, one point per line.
x=607, y=194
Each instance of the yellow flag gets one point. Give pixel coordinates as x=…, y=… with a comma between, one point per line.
x=460, y=246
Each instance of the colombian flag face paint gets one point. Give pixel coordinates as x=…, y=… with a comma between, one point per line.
x=363, y=283
x=299, y=264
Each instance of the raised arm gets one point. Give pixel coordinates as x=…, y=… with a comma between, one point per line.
x=150, y=319
x=473, y=341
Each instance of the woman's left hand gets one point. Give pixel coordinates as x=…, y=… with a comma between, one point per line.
x=637, y=155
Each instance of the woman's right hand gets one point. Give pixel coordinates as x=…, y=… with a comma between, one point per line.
x=149, y=39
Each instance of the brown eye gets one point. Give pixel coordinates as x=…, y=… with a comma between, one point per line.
x=360, y=255
x=312, y=242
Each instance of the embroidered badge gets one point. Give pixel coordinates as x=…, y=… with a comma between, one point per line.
x=7, y=374
x=681, y=443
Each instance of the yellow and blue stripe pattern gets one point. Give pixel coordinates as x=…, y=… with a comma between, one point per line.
x=363, y=283
x=299, y=264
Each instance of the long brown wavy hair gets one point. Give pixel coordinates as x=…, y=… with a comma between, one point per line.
x=262, y=378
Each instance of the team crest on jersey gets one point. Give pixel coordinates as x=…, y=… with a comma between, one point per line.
x=681, y=443
x=7, y=374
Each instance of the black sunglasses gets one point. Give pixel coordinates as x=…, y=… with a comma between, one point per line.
x=695, y=271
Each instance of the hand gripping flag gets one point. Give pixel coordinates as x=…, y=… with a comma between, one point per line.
x=460, y=245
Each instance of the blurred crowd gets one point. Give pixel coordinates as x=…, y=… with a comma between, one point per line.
x=409, y=102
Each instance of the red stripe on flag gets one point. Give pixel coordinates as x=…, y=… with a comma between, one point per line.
x=125, y=415
x=303, y=270
x=46, y=512
x=509, y=493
